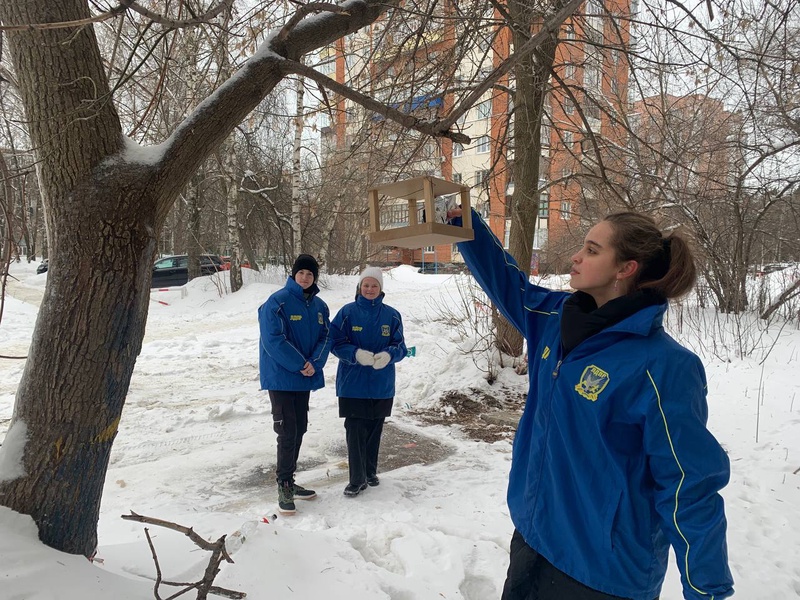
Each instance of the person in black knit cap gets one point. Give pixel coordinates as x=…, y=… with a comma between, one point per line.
x=294, y=324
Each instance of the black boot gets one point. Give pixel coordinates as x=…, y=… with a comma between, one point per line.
x=354, y=490
x=286, y=498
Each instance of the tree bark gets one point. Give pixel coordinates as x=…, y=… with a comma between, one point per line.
x=299, y=119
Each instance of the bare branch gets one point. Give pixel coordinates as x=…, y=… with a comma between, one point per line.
x=124, y=5
x=549, y=28
x=187, y=531
x=224, y=5
x=404, y=119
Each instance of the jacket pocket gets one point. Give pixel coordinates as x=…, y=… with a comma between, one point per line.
x=611, y=520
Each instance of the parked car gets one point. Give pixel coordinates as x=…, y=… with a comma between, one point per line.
x=174, y=270
x=442, y=268
x=226, y=263
x=42, y=268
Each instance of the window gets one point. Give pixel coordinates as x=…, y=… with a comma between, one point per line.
x=540, y=238
x=545, y=135
x=458, y=149
x=482, y=177
x=569, y=71
x=566, y=210
x=569, y=32
x=456, y=177
x=591, y=109
x=483, y=144
x=394, y=215
x=568, y=139
x=544, y=199
x=591, y=74
x=429, y=249
x=569, y=106
x=507, y=234
x=544, y=207
x=484, y=109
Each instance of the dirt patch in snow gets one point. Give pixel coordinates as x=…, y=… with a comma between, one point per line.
x=482, y=416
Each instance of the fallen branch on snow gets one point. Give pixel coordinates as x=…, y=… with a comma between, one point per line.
x=206, y=585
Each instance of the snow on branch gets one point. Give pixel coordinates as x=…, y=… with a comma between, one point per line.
x=306, y=9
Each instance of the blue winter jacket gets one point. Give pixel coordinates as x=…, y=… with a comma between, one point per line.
x=368, y=325
x=293, y=331
x=612, y=462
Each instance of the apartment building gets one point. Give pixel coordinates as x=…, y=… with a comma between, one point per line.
x=587, y=98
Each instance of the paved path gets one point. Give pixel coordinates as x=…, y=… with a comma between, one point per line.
x=20, y=291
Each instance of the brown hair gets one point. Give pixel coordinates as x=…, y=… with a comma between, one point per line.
x=666, y=264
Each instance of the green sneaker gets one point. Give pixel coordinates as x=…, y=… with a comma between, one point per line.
x=285, y=498
x=301, y=493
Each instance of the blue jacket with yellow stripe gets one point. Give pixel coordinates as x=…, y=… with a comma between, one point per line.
x=368, y=325
x=293, y=330
x=612, y=461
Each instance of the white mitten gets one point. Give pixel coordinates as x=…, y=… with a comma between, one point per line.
x=381, y=360
x=365, y=357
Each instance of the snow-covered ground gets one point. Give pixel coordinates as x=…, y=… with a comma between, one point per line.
x=196, y=446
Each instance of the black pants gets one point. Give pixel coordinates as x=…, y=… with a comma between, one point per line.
x=532, y=577
x=290, y=422
x=363, y=444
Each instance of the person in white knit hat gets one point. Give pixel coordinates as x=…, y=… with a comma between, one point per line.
x=368, y=340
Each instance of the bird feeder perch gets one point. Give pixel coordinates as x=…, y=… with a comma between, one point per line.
x=433, y=230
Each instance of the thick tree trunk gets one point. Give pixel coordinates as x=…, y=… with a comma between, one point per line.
x=89, y=332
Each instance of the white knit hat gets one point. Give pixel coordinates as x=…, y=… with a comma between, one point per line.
x=374, y=272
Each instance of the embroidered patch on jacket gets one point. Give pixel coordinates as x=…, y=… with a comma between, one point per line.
x=358, y=328
x=320, y=319
x=295, y=317
x=593, y=381
x=546, y=352
x=385, y=331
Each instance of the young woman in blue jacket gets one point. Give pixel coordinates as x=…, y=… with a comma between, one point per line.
x=295, y=342
x=612, y=462
x=368, y=340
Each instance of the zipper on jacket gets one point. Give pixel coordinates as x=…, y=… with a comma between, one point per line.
x=558, y=366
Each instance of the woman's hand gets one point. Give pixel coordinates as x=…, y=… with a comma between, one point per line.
x=454, y=212
x=365, y=357
x=308, y=369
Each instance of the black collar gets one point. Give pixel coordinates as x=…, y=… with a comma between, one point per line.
x=581, y=319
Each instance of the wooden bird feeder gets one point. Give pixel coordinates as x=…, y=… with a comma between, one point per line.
x=431, y=231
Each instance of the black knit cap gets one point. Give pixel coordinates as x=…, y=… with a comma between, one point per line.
x=308, y=262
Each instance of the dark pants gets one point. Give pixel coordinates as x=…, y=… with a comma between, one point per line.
x=290, y=422
x=531, y=577
x=363, y=444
